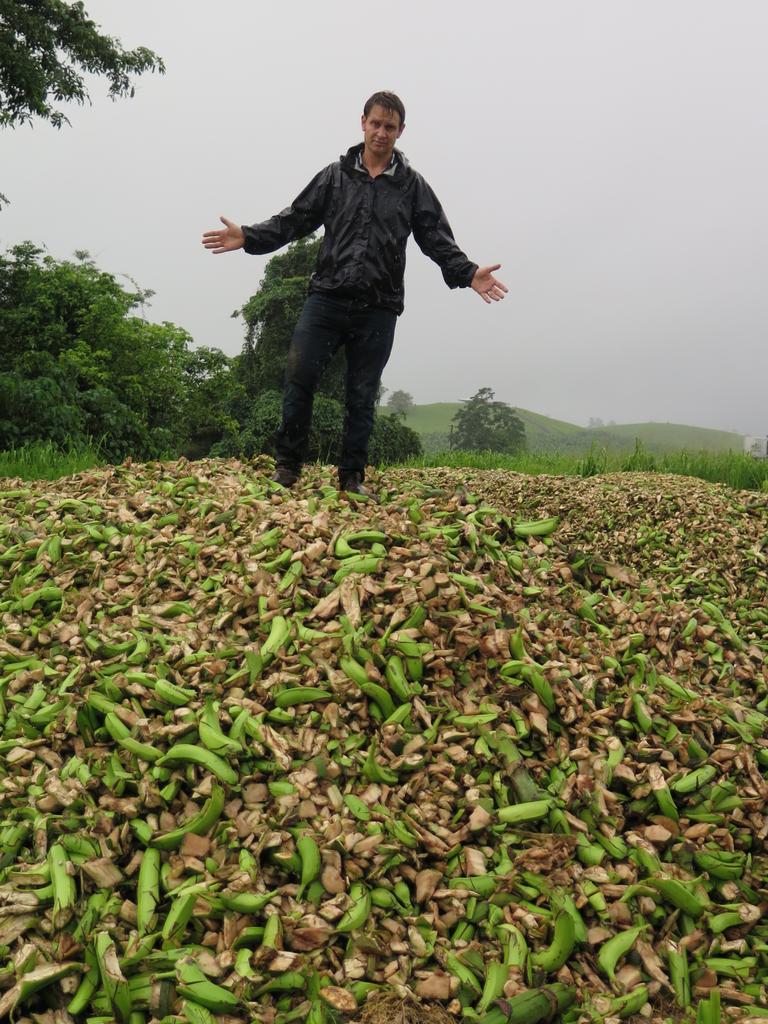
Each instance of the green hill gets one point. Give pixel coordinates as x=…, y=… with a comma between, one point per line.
x=433, y=424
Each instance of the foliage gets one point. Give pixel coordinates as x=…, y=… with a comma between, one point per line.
x=482, y=424
x=435, y=442
x=76, y=364
x=391, y=441
x=215, y=399
x=45, y=47
x=400, y=402
x=271, y=315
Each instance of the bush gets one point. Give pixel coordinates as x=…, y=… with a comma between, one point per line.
x=391, y=440
x=77, y=363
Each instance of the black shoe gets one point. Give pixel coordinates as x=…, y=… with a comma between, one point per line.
x=285, y=476
x=353, y=484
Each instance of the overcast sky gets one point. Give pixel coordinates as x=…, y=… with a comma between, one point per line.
x=611, y=155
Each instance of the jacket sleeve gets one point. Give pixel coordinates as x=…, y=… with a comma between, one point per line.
x=301, y=218
x=435, y=239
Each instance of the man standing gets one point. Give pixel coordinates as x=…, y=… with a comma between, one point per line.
x=369, y=202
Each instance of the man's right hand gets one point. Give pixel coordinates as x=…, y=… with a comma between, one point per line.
x=225, y=239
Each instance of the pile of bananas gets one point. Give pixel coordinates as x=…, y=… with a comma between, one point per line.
x=274, y=757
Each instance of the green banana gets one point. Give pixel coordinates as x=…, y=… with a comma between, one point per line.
x=290, y=981
x=211, y=733
x=623, y=1006
x=384, y=899
x=343, y=549
x=721, y=864
x=614, y=949
x=64, y=890
x=496, y=975
x=33, y=981
x=198, y=824
x=245, y=902
x=564, y=901
x=694, y=780
x=397, y=680
x=194, y=1013
x=170, y=693
x=364, y=564
x=678, y=894
x=403, y=834
x=148, y=890
x=516, y=814
x=307, y=635
x=310, y=862
x=356, y=916
x=564, y=939
x=399, y=716
x=272, y=931
x=375, y=772
x=193, y=984
x=354, y=671
x=358, y=807
x=536, y=528
x=294, y=695
x=379, y=696
x=89, y=982
x=465, y=974
x=121, y=734
x=661, y=793
x=113, y=980
x=179, y=916
x=515, y=948
x=186, y=753
x=279, y=633
x=642, y=714
x=483, y=885
x=141, y=651
x=292, y=574
x=679, y=973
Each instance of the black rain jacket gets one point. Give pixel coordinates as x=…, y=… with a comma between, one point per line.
x=367, y=222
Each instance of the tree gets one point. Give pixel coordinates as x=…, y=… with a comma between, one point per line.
x=595, y=423
x=214, y=399
x=44, y=47
x=400, y=402
x=484, y=425
x=271, y=315
x=76, y=365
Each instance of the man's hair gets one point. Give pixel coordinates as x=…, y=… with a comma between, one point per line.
x=389, y=101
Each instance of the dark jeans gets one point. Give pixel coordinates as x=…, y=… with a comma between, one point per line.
x=324, y=326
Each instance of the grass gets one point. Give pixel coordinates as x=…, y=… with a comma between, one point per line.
x=732, y=468
x=43, y=460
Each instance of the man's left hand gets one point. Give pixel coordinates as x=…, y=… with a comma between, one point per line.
x=489, y=288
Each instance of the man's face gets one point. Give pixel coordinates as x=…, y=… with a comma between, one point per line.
x=381, y=130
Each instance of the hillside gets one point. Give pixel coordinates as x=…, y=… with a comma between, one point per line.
x=433, y=422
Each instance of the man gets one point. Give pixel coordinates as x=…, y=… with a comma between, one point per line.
x=369, y=202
